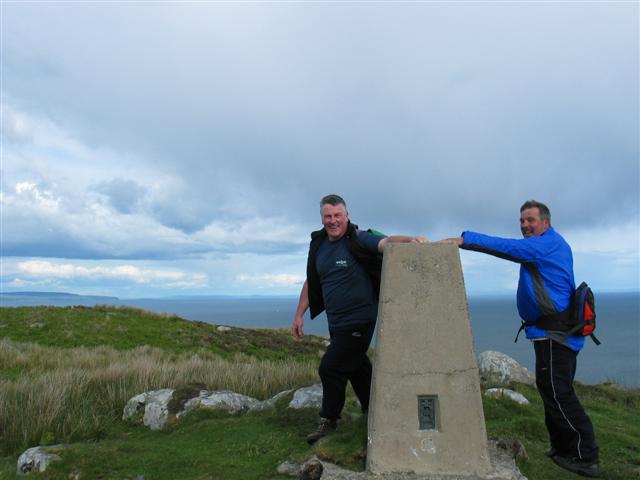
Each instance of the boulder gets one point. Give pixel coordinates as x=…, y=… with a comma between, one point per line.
x=506, y=393
x=498, y=367
x=221, y=400
x=156, y=411
x=289, y=468
x=270, y=403
x=134, y=405
x=311, y=470
x=513, y=447
x=155, y=405
x=307, y=397
x=37, y=459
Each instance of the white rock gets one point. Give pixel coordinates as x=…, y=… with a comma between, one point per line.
x=504, y=466
x=505, y=392
x=37, y=459
x=288, y=468
x=225, y=400
x=270, y=403
x=155, y=404
x=192, y=403
x=223, y=328
x=134, y=405
x=307, y=397
x=156, y=410
x=497, y=366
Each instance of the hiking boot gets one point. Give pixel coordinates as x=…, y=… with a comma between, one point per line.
x=326, y=427
x=586, y=468
x=552, y=452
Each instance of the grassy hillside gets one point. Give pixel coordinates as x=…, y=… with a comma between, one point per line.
x=66, y=373
x=125, y=328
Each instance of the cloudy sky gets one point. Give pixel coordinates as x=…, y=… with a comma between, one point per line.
x=154, y=149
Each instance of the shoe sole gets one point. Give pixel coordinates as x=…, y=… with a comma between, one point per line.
x=576, y=470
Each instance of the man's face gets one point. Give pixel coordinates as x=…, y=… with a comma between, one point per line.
x=531, y=225
x=335, y=219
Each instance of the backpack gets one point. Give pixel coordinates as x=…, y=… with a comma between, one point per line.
x=583, y=315
x=578, y=320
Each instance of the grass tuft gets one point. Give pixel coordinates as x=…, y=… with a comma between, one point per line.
x=70, y=394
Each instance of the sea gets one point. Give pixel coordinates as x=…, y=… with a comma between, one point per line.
x=494, y=322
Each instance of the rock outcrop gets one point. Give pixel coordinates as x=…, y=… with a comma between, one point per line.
x=154, y=404
x=220, y=400
x=501, y=368
x=37, y=459
x=307, y=397
x=155, y=407
x=506, y=393
x=271, y=402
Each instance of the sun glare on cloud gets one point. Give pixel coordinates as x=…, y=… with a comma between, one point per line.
x=31, y=192
x=51, y=270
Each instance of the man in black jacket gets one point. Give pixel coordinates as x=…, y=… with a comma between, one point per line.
x=343, y=278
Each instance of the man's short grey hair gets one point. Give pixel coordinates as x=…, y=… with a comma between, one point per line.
x=545, y=214
x=332, y=200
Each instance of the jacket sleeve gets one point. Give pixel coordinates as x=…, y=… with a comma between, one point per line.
x=522, y=250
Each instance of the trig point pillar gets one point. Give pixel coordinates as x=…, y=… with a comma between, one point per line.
x=425, y=414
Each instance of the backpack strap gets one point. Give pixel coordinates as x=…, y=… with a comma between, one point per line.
x=523, y=325
x=556, y=321
x=545, y=304
x=370, y=261
x=578, y=327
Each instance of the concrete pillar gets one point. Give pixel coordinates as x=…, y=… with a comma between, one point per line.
x=425, y=413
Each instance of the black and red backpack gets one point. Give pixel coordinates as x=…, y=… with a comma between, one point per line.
x=583, y=317
x=578, y=320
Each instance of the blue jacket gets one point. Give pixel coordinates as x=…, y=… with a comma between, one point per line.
x=546, y=274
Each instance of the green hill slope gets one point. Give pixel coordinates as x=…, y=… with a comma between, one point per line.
x=125, y=328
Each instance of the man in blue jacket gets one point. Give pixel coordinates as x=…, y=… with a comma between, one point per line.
x=545, y=289
x=343, y=278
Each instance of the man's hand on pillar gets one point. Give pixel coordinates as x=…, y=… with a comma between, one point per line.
x=455, y=241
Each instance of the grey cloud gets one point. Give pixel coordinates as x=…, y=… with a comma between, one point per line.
x=124, y=195
x=425, y=117
x=36, y=235
x=186, y=216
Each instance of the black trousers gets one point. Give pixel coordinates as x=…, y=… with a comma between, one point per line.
x=570, y=429
x=346, y=360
